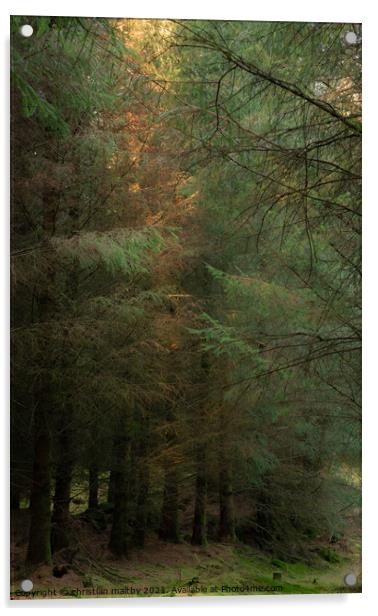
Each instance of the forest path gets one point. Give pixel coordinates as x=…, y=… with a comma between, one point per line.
x=167, y=569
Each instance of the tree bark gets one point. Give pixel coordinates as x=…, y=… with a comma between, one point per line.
x=264, y=531
x=169, y=526
x=15, y=498
x=60, y=531
x=226, y=504
x=110, y=497
x=60, y=537
x=142, y=509
x=199, y=533
x=120, y=532
x=15, y=491
x=93, y=486
x=143, y=485
x=39, y=547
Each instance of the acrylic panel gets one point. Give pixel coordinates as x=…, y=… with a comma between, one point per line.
x=185, y=307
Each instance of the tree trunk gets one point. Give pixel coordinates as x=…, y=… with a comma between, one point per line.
x=142, y=510
x=120, y=533
x=226, y=505
x=199, y=534
x=15, y=491
x=113, y=469
x=119, y=536
x=264, y=530
x=15, y=498
x=93, y=486
x=60, y=537
x=169, y=526
x=39, y=547
x=110, y=497
x=226, y=529
x=143, y=486
x=60, y=531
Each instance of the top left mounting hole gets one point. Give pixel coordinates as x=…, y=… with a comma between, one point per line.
x=26, y=30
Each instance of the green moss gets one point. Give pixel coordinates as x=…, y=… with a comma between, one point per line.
x=276, y=562
x=329, y=555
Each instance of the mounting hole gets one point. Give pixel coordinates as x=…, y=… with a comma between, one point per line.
x=26, y=30
x=27, y=585
x=350, y=579
x=351, y=38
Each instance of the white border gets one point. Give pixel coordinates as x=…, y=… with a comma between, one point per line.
x=269, y=10
x=277, y=10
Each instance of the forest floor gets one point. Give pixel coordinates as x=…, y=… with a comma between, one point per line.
x=166, y=569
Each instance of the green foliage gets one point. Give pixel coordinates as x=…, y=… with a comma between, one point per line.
x=123, y=251
x=33, y=104
x=329, y=555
